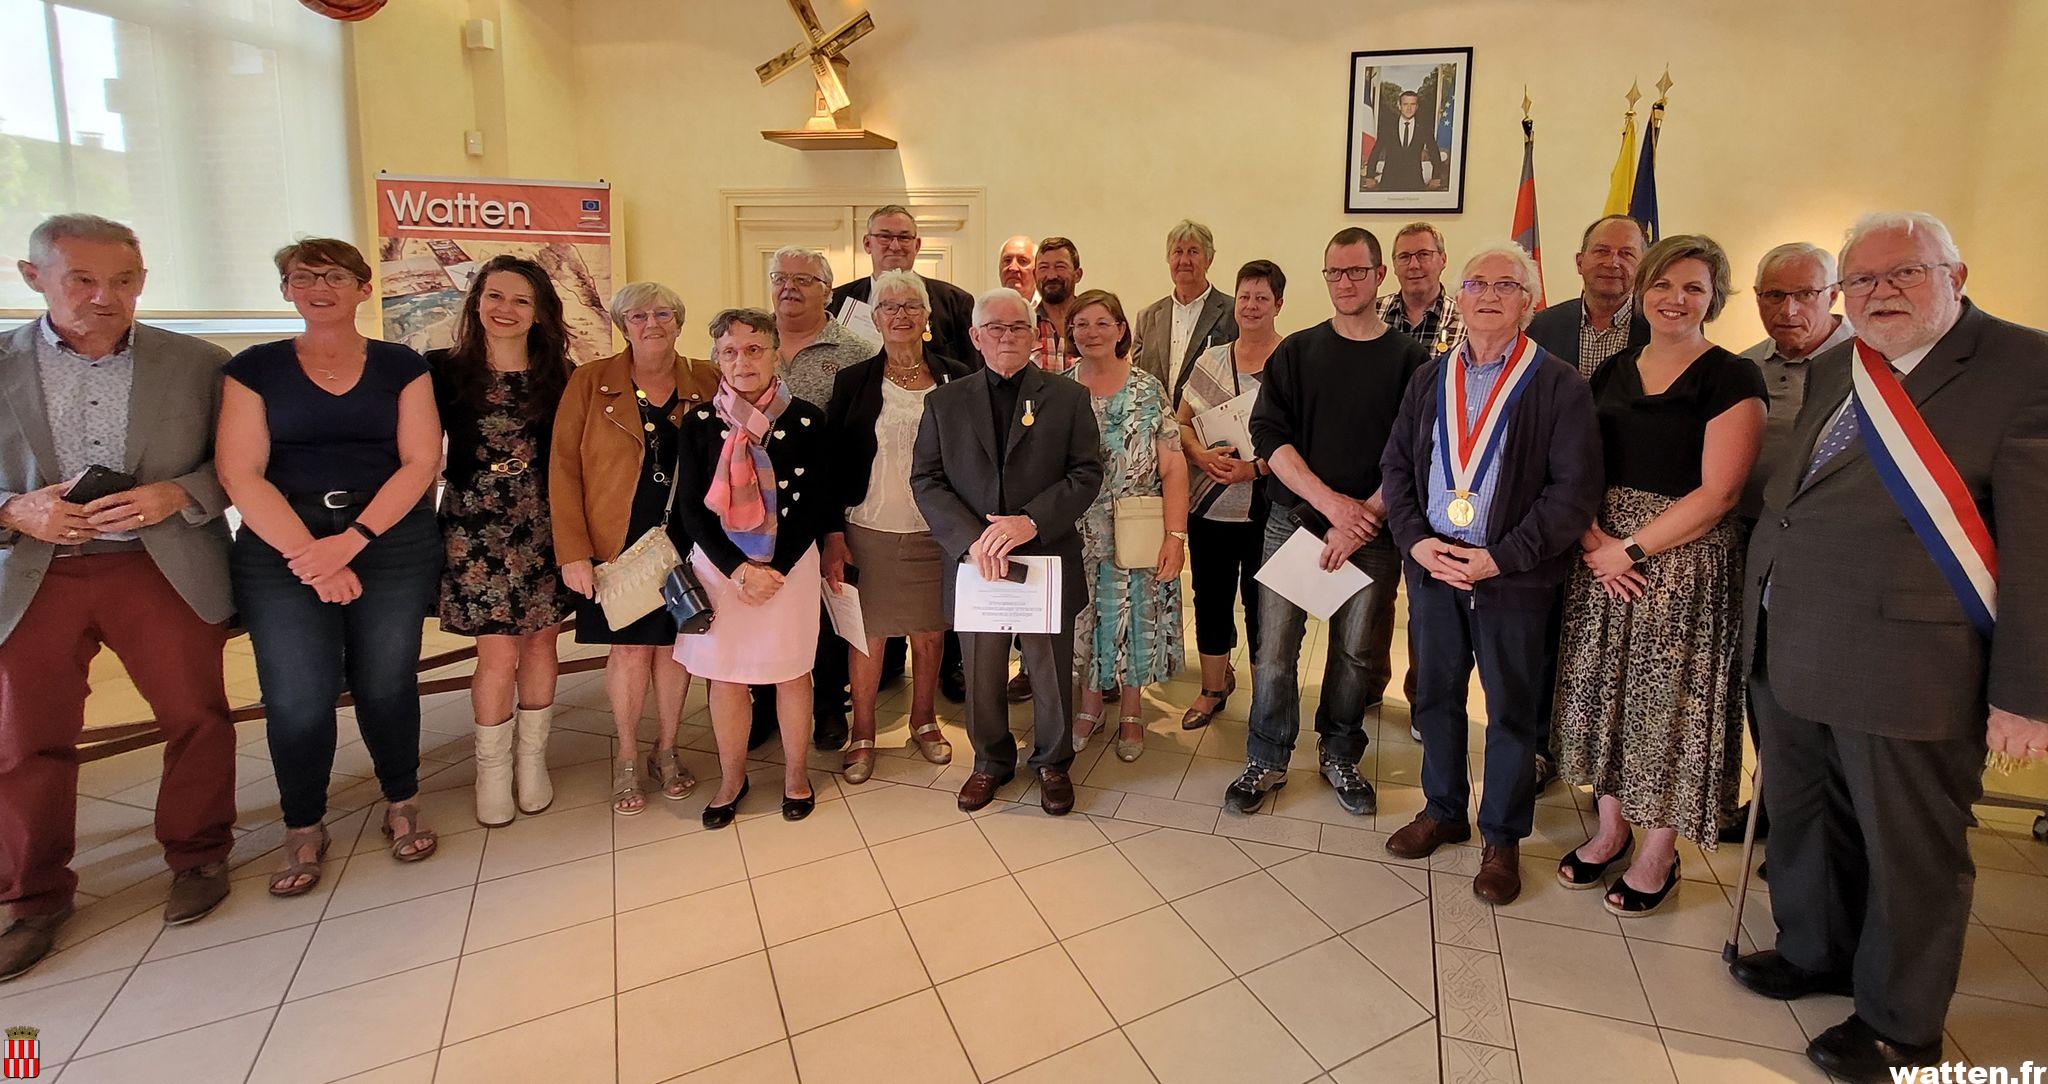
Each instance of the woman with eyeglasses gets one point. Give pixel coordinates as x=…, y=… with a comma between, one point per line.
x=1648, y=710
x=497, y=389
x=609, y=478
x=896, y=567
x=328, y=444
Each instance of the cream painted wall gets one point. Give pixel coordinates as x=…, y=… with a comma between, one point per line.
x=1107, y=120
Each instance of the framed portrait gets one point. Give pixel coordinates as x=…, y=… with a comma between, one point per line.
x=1406, y=131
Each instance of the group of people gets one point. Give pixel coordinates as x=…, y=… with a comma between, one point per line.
x=1636, y=537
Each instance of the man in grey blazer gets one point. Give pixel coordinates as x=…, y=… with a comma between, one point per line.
x=1006, y=462
x=1876, y=695
x=1174, y=330
x=142, y=569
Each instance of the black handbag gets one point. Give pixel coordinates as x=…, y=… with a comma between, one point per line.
x=686, y=601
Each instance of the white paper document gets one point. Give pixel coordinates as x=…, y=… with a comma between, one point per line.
x=843, y=607
x=859, y=318
x=1002, y=606
x=1229, y=424
x=1295, y=573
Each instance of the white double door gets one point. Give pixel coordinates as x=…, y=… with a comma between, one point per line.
x=759, y=221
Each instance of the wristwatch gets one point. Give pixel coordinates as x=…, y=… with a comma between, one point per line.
x=1635, y=552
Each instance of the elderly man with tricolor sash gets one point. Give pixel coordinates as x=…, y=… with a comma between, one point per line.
x=1897, y=627
x=1491, y=476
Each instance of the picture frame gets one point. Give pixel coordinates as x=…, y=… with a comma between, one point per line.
x=1392, y=167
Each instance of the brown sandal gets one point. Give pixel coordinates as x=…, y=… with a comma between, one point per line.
x=295, y=839
x=1196, y=719
x=409, y=812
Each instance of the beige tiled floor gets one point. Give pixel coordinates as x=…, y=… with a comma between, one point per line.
x=889, y=937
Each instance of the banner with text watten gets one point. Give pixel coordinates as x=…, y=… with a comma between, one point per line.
x=434, y=232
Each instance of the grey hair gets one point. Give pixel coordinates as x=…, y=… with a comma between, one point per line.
x=1189, y=229
x=1912, y=222
x=638, y=295
x=983, y=300
x=903, y=282
x=1525, y=269
x=42, y=241
x=758, y=319
x=799, y=252
x=1795, y=250
x=1414, y=228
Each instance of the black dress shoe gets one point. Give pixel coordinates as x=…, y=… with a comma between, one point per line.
x=1853, y=1051
x=953, y=685
x=828, y=732
x=766, y=727
x=1774, y=976
x=796, y=809
x=718, y=816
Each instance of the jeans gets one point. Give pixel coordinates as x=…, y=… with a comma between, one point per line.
x=1222, y=559
x=1355, y=674
x=309, y=651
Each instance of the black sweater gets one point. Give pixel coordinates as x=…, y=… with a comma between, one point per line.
x=806, y=508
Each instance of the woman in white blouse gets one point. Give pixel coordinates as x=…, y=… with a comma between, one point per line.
x=887, y=552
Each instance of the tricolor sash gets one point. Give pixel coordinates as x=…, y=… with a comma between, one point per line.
x=1466, y=459
x=1925, y=486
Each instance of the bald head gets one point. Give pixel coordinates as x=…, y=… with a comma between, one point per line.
x=1014, y=265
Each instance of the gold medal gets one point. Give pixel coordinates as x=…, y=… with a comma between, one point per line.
x=1460, y=511
x=1029, y=417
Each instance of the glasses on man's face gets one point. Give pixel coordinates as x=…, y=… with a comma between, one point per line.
x=1007, y=331
x=801, y=281
x=1355, y=274
x=334, y=276
x=1798, y=297
x=1904, y=277
x=1483, y=288
x=898, y=240
x=658, y=316
x=1417, y=256
x=900, y=308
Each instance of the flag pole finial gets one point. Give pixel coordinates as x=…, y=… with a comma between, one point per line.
x=1664, y=85
x=1526, y=103
x=1635, y=95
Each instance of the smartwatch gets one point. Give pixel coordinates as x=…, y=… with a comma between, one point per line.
x=1635, y=552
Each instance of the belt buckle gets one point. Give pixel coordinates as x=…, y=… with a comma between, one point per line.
x=511, y=468
x=335, y=499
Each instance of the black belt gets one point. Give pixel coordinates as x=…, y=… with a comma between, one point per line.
x=99, y=546
x=338, y=499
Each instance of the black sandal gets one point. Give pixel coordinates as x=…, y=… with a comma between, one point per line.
x=1636, y=903
x=1578, y=874
x=1196, y=720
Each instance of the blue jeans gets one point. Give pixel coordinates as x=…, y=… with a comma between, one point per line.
x=1355, y=674
x=309, y=651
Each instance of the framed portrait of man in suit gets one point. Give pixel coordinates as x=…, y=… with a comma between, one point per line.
x=1405, y=132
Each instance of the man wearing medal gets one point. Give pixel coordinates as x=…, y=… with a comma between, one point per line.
x=1896, y=628
x=1492, y=474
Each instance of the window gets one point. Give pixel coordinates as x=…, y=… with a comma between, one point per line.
x=216, y=128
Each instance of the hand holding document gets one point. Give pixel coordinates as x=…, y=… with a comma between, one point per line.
x=843, y=607
x=1230, y=423
x=859, y=317
x=1032, y=606
x=1295, y=571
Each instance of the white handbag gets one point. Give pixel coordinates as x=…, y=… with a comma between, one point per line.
x=1140, y=531
x=628, y=587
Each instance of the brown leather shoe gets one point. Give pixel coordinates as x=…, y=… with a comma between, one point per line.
x=1055, y=791
x=1019, y=688
x=1500, y=874
x=195, y=893
x=1425, y=834
x=27, y=940
x=979, y=790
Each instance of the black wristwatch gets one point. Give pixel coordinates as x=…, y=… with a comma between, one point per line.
x=1634, y=550
x=358, y=527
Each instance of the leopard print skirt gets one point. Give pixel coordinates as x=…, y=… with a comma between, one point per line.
x=1649, y=702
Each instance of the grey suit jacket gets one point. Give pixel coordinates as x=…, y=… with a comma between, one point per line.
x=1154, y=337
x=171, y=415
x=1863, y=631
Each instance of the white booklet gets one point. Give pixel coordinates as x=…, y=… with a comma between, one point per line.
x=843, y=607
x=859, y=318
x=1230, y=423
x=1004, y=606
x=1295, y=573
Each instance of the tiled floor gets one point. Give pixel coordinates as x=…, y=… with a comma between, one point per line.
x=890, y=937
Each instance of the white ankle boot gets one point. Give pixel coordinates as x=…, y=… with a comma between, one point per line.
x=494, y=775
x=536, y=791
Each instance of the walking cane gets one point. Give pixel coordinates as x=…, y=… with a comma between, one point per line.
x=1756, y=804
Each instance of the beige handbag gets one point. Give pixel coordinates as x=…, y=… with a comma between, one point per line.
x=1140, y=531
x=628, y=587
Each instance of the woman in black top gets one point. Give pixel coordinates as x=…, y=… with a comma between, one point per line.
x=497, y=390
x=1649, y=705
x=328, y=444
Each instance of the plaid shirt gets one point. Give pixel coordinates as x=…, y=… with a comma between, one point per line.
x=1597, y=344
x=1052, y=352
x=1440, y=330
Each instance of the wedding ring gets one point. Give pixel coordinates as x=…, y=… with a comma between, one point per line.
x=70, y=532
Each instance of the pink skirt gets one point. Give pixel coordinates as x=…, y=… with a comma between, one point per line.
x=756, y=645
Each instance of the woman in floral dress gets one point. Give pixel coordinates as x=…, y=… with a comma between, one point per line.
x=1130, y=633
x=497, y=390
